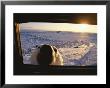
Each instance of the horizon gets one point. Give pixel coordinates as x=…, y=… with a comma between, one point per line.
x=65, y=27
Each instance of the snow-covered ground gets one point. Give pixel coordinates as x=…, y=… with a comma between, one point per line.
x=79, y=49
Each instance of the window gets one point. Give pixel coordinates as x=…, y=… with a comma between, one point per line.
x=73, y=34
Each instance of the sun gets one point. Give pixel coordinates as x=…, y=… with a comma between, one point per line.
x=83, y=26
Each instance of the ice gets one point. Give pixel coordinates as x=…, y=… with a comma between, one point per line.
x=79, y=49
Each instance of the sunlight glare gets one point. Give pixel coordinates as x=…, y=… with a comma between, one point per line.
x=83, y=26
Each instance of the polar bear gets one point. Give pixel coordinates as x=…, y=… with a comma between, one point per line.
x=46, y=55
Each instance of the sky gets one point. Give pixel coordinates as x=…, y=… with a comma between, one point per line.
x=48, y=26
x=89, y=18
x=74, y=22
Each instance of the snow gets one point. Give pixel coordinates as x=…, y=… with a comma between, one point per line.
x=79, y=49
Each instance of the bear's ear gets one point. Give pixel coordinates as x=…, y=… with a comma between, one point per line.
x=37, y=46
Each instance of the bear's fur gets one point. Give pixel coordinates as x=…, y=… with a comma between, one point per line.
x=46, y=55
